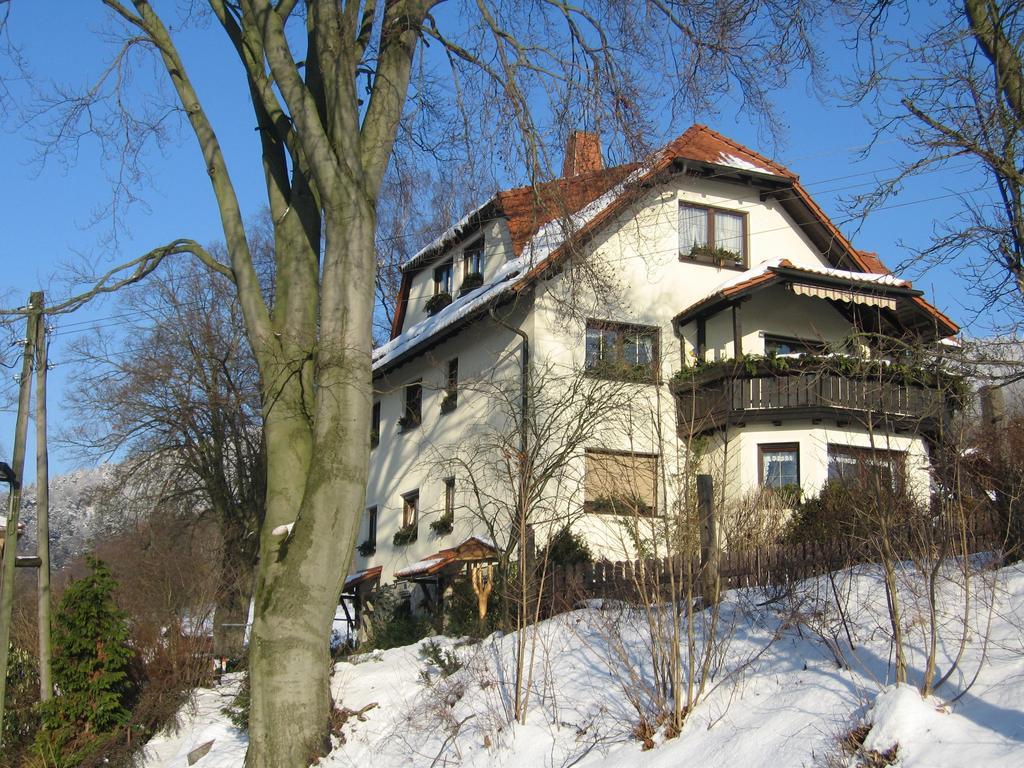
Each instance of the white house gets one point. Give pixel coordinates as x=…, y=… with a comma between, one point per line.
x=644, y=282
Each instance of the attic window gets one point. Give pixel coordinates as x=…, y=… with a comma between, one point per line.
x=443, y=278
x=712, y=236
x=473, y=258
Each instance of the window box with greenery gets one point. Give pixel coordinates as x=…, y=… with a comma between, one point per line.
x=712, y=236
x=367, y=548
x=437, y=302
x=405, y=535
x=723, y=257
x=620, y=351
x=450, y=401
x=471, y=282
x=443, y=525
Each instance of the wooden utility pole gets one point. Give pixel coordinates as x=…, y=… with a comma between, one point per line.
x=709, y=545
x=14, y=500
x=42, y=508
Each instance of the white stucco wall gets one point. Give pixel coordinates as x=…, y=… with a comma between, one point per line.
x=637, y=256
x=488, y=357
x=733, y=457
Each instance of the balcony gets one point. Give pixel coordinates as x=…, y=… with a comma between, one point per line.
x=846, y=390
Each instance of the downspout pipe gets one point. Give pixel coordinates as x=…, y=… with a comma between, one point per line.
x=524, y=376
x=524, y=380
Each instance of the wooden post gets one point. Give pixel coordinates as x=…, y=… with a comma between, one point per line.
x=737, y=332
x=42, y=509
x=483, y=581
x=710, y=553
x=14, y=500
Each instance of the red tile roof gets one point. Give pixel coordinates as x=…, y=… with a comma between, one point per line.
x=527, y=209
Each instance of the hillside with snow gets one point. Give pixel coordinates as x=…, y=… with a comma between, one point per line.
x=79, y=512
x=791, y=675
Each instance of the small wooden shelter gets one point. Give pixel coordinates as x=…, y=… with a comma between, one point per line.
x=436, y=573
x=357, y=591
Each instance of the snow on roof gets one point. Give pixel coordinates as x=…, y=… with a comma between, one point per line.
x=738, y=162
x=458, y=309
x=753, y=276
x=449, y=235
x=548, y=238
x=781, y=263
x=864, y=277
x=421, y=566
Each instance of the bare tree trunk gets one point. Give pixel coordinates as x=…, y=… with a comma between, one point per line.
x=323, y=463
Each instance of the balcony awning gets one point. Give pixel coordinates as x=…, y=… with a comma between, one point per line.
x=842, y=294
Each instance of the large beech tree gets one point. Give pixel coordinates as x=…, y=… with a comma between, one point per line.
x=337, y=88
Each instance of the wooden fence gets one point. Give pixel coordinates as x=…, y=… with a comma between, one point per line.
x=652, y=580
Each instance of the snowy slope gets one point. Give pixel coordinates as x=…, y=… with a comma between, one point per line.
x=779, y=698
x=77, y=500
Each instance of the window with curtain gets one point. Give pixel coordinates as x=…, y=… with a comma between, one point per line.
x=410, y=508
x=729, y=231
x=623, y=351
x=712, y=236
x=779, y=465
x=870, y=469
x=693, y=227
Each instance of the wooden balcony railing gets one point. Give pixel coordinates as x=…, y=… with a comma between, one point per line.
x=726, y=394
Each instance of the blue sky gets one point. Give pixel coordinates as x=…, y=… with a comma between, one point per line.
x=46, y=210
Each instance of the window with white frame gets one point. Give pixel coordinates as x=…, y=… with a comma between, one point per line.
x=473, y=258
x=443, y=278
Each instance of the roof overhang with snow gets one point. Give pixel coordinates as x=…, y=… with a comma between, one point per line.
x=472, y=550
x=368, y=578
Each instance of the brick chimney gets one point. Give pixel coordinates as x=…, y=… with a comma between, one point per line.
x=582, y=154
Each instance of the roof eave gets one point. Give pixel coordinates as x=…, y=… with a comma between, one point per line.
x=776, y=275
x=430, y=341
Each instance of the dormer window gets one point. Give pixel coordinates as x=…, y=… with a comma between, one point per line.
x=473, y=258
x=472, y=266
x=442, y=296
x=712, y=236
x=443, y=278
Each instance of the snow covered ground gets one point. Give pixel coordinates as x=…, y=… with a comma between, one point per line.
x=784, y=687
